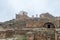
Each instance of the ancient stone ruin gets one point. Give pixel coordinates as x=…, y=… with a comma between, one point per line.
x=44, y=27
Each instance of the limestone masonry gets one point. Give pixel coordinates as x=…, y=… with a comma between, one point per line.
x=44, y=27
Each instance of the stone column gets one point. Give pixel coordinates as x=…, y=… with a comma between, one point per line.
x=56, y=36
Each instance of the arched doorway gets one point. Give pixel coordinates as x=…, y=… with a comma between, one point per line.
x=49, y=25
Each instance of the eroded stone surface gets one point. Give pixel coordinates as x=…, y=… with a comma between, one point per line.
x=45, y=27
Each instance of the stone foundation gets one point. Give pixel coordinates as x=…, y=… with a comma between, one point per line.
x=40, y=34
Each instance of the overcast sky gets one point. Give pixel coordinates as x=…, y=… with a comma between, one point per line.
x=8, y=8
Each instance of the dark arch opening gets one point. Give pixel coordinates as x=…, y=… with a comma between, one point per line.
x=49, y=25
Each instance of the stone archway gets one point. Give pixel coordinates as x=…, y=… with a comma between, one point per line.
x=49, y=25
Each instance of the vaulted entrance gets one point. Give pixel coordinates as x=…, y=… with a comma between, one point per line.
x=48, y=25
